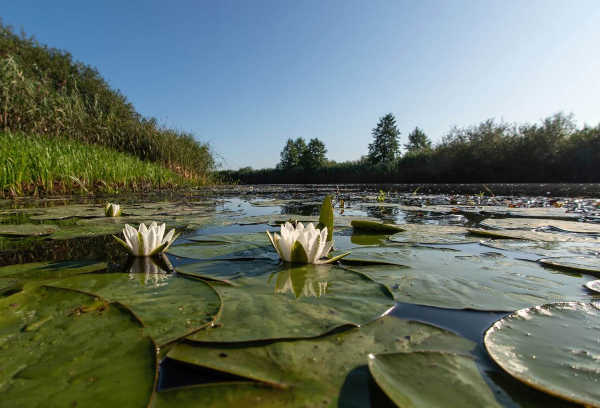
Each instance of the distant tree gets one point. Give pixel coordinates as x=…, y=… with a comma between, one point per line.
x=313, y=156
x=417, y=141
x=385, y=144
x=291, y=155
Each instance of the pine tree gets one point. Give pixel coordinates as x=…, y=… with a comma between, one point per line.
x=417, y=141
x=385, y=146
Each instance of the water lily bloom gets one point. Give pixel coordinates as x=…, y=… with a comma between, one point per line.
x=112, y=210
x=147, y=241
x=301, y=244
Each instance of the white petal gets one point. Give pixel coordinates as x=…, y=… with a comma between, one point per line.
x=285, y=247
x=168, y=237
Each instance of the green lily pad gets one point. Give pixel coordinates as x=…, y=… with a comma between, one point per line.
x=533, y=223
x=9, y=286
x=374, y=256
x=407, y=379
x=60, y=348
x=441, y=278
x=585, y=264
x=531, y=235
x=543, y=248
x=226, y=246
x=169, y=306
x=376, y=227
x=92, y=230
x=68, y=211
x=50, y=270
x=432, y=234
x=567, y=366
x=27, y=230
x=277, y=219
x=289, y=366
x=288, y=301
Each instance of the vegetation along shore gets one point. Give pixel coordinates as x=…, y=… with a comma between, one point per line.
x=58, y=116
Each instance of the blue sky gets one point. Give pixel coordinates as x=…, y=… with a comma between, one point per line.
x=247, y=75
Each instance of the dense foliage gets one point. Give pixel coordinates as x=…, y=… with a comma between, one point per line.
x=42, y=165
x=45, y=92
x=298, y=156
x=554, y=150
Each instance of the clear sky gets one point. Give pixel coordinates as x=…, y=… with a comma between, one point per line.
x=247, y=75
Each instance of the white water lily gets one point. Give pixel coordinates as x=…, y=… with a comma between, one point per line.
x=302, y=244
x=147, y=241
x=112, y=210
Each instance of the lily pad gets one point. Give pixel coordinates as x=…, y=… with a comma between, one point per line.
x=9, y=286
x=27, y=230
x=567, y=366
x=432, y=234
x=375, y=227
x=169, y=306
x=59, y=349
x=593, y=285
x=441, y=278
x=531, y=235
x=63, y=212
x=544, y=248
x=533, y=223
x=407, y=379
x=286, y=302
x=585, y=264
x=50, y=270
x=226, y=246
x=289, y=366
x=277, y=219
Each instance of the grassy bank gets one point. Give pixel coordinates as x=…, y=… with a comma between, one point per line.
x=44, y=91
x=31, y=165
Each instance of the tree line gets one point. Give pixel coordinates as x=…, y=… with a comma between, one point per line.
x=554, y=150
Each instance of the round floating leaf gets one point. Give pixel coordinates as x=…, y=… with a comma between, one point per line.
x=441, y=278
x=62, y=349
x=375, y=256
x=315, y=369
x=544, y=248
x=375, y=227
x=9, y=286
x=63, y=212
x=50, y=270
x=234, y=394
x=533, y=223
x=553, y=348
x=277, y=219
x=432, y=234
x=593, y=285
x=27, y=230
x=585, y=264
x=288, y=301
x=531, y=235
x=226, y=246
x=431, y=379
x=170, y=306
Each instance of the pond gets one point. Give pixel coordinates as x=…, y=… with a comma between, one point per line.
x=444, y=300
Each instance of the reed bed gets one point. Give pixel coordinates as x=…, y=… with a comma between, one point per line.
x=41, y=165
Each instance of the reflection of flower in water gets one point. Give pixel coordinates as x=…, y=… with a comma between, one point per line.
x=151, y=272
x=302, y=281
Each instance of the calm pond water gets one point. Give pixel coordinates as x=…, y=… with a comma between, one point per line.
x=435, y=272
